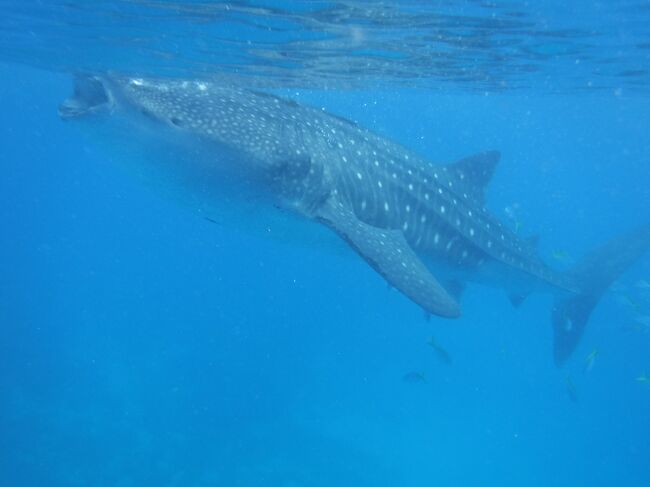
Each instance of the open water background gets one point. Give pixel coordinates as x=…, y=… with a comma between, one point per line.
x=143, y=346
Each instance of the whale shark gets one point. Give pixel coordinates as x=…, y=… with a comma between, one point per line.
x=423, y=227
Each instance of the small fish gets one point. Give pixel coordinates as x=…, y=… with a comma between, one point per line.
x=590, y=360
x=628, y=301
x=571, y=390
x=637, y=327
x=643, y=320
x=518, y=226
x=442, y=354
x=643, y=284
x=561, y=256
x=414, y=378
x=643, y=378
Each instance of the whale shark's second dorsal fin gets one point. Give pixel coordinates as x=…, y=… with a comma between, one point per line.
x=476, y=171
x=388, y=252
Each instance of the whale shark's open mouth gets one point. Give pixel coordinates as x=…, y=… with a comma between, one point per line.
x=89, y=97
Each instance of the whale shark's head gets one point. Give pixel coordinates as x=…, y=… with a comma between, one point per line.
x=191, y=137
x=91, y=96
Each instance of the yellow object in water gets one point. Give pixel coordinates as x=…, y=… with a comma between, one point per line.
x=561, y=255
x=589, y=361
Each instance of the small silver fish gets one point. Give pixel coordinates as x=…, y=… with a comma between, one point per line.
x=571, y=389
x=414, y=378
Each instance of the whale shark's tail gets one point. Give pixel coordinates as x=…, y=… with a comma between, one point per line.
x=594, y=274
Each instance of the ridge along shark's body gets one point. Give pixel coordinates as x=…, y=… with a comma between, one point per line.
x=423, y=227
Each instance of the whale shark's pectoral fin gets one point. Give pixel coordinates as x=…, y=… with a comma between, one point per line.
x=455, y=289
x=388, y=252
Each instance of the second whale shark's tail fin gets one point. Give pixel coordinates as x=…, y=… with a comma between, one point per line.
x=593, y=275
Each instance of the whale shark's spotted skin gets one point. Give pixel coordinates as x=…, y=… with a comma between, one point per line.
x=438, y=209
x=423, y=227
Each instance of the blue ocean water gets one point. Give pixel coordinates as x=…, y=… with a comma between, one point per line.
x=141, y=345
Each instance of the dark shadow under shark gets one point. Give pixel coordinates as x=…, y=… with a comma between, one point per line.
x=423, y=227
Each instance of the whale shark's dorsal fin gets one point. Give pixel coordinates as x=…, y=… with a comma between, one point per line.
x=476, y=171
x=388, y=252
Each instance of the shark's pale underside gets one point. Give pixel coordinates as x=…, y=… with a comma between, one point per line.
x=423, y=227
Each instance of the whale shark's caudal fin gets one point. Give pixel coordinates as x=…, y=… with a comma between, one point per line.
x=593, y=275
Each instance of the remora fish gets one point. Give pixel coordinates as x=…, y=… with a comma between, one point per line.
x=442, y=354
x=423, y=227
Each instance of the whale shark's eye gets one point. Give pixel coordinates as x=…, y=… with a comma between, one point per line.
x=176, y=121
